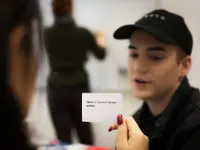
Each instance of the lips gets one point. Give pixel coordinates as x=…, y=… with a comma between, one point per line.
x=141, y=81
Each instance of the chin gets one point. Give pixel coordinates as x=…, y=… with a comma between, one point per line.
x=144, y=95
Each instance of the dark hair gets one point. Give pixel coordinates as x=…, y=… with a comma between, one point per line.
x=62, y=7
x=13, y=129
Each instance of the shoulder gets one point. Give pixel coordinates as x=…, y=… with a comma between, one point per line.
x=186, y=127
x=190, y=127
x=85, y=31
x=192, y=120
x=195, y=96
x=49, y=29
x=188, y=134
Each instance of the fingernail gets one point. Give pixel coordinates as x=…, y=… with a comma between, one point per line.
x=110, y=129
x=119, y=119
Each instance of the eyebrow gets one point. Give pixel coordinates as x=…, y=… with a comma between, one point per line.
x=132, y=47
x=156, y=48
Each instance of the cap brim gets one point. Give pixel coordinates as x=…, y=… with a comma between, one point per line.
x=126, y=31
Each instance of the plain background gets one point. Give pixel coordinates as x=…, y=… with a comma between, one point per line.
x=105, y=16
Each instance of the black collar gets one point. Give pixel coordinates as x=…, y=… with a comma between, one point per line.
x=66, y=19
x=164, y=119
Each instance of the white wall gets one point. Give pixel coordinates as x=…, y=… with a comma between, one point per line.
x=106, y=16
x=189, y=9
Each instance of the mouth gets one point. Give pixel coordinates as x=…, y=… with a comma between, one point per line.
x=141, y=81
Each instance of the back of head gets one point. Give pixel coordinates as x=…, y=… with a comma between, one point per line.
x=62, y=7
x=13, y=131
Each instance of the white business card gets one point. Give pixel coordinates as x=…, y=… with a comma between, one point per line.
x=101, y=107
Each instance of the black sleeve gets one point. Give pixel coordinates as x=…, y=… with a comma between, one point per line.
x=193, y=143
x=99, y=52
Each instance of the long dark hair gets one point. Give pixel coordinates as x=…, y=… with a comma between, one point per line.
x=12, y=129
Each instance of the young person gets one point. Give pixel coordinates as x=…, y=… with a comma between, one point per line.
x=67, y=47
x=159, y=61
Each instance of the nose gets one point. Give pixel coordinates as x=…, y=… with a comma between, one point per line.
x=140, y=66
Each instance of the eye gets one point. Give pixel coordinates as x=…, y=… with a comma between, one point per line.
x=133, y=55
x=156, y=58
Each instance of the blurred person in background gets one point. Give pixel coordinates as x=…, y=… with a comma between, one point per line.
x=67, y=47
x=159, y=61
x=20, y=42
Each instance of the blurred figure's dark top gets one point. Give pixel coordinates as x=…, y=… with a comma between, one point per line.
x=67, y=48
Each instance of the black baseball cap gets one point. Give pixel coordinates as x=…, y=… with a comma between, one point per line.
x=165, y=26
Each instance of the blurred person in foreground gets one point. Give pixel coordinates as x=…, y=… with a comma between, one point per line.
x=159, y=60
x=67, y=46
x=20, y=42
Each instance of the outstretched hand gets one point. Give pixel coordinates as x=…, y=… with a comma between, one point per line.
x=129, y=136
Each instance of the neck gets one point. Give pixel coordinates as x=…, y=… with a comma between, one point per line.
x=64, y=19
x=63, y=15
x=158, y=105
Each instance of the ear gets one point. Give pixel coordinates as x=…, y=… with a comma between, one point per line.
x=186, y=64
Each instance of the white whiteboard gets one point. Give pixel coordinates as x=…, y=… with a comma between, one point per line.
x=106, y=16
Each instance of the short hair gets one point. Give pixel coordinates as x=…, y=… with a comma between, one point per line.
x=180, y=55
x=62, y=7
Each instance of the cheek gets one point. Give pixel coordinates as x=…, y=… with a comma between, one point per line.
x=167, y=73
x=130, y=67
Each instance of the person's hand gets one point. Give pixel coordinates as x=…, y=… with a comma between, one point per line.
x=100, y=39
x=129, y=135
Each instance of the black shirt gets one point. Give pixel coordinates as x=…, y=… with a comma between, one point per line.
x=67, y=49
x=178, y=126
